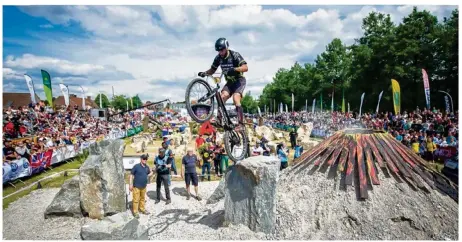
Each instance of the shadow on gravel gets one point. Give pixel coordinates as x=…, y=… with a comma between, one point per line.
x=153, y=195
x=180, y=191
x=213, y=220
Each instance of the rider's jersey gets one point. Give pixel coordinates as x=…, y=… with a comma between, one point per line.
x=232, y=60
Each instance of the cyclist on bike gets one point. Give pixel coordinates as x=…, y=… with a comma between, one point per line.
x=233, y=66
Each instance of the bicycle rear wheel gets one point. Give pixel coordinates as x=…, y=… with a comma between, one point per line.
x=199, y=110
x=236, y=145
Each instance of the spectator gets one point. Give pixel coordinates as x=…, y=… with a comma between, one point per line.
x=22, y=150
x=282, y=153
x=169, y=153
x=431, y=147
x=138, y=182
x=199, y=141
x=206, y=158
x=9, y=153
x=163, y=165
x=217, y=151
x=188, y=171
x=293, y=138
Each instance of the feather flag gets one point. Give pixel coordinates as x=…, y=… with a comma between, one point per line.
x=396, y=96
x=380, y=97
x=426, y=87
x=30, y=85
x=83, y=98
x=314, y=105
x=65, y=91
x=361, y=105
x=47, y=87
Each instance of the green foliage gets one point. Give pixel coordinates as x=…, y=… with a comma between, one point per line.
x=104, y=100
x=385, y=51
x=120, y=102
x=249, y=104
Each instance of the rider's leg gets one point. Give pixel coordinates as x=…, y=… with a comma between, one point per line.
x=224, y=96
x=237, y=102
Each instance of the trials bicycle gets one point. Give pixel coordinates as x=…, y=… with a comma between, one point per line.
x=201, y=107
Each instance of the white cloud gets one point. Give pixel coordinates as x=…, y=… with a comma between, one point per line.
x=11, y=74
x=29, y=61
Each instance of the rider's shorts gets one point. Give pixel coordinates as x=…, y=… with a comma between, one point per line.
x=235, y=87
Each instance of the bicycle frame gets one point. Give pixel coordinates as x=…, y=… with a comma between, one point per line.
x=228, y=125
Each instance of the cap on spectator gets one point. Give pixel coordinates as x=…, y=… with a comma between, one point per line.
x=161, y=150
x=144, y=157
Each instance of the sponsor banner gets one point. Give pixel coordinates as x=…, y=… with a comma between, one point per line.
x=130, y=161
x=16, y=169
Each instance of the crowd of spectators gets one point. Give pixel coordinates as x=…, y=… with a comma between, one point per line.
x=36, y=128
x=423, y=131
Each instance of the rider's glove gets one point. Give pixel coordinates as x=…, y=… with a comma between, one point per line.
x=231, y=72
x=201, y=74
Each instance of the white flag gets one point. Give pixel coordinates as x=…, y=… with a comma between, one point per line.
x=380, y=97
x=314, y=105
x=306, y=105
x=127, y=104
x=65, y=92
x=293, y=102
x=259, y=112
x=83, y=98
x=100, y=101
x=361, y=106
x=332, y=104
x=348, y=107
x=30, y=85
x=287, y=109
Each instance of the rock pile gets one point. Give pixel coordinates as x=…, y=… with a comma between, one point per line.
x=98, y=190
x=99, y=193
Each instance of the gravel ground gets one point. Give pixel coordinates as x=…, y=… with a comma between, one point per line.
x=180, y=220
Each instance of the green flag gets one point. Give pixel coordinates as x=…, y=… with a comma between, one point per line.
x=343, y=100
x=47, y=86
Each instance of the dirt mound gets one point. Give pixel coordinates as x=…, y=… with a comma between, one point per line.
x=314, y=201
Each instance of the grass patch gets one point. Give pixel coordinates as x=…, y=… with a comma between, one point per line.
x=50, y=183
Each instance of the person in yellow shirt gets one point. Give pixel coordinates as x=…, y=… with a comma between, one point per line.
x=415, y=145
x=431, y=147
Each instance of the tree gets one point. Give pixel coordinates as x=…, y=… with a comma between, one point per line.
x=249, y=104
x=384, y=52
x=120, y=102
x=104, y=100
x=136, y=101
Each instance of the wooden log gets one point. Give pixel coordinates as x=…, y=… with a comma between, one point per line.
x=350, y=163
x=375, y=151
x=385, y=156
x=342, y=160
x=370, y=166
x=361, y=168
x=337, y=152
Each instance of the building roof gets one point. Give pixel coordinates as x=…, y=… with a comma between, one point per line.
x=17, y=99
x=74, y=100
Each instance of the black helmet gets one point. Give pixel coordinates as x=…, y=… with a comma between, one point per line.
x=221, y=43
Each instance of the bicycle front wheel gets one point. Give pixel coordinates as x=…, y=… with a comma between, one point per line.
x=199, y=110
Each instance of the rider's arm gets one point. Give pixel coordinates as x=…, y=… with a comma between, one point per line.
x=215, y=65
x=240, y=63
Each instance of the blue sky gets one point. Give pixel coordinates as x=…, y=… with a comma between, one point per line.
x=154, y=51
